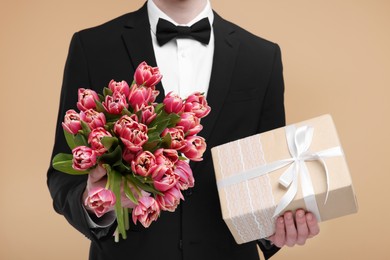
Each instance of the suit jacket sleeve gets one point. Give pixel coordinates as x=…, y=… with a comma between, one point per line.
x=66, y=190
x=273, y=114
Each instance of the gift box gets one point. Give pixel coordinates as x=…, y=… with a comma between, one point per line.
x=298, y=166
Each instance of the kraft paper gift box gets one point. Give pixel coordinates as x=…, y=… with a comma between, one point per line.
x=264, y=175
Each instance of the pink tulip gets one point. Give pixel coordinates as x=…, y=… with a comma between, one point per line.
x=170, y=200
x=116, y=103
x=190, y=123
x=95, y=140
x=186, y=178
x=71, y=122
x=168, y=181
x=166, y=157
x=148, y=114
x=147, y=76
x=177, y=137
x=195, y=147
x=141, y=96
x=143, y=163
x=128, y=155
x=146, y=211
x=83, y=158
x=93, y=118
x=100, y=200
x=158, y=171
x=173, y=103
x=121, y=87
x=133, y=139
x=124, y=122
x=86, y=99
x=197, y=104
x=132, y=133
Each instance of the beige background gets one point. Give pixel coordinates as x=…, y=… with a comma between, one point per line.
x=337, y=60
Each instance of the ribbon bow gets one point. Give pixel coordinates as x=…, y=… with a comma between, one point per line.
x=299, y=141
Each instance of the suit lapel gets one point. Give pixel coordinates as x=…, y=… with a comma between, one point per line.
x=225, y=53
x=139, y=43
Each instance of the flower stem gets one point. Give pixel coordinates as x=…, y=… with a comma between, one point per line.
x=116, y=235
x=126, y=215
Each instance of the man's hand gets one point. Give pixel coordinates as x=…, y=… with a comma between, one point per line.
x=97, y=177
x=294, y=230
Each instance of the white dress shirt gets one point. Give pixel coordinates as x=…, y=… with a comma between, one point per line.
x=184, y=63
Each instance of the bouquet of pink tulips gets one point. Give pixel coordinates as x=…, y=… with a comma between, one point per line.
x=142, y=147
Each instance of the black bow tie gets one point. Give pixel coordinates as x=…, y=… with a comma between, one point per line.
x=166, y=31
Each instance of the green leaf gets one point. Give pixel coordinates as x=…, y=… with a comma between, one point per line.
x=111, y=117
x=109, y=142
x=129, y=181
x=109, y=126
x=121, y=167
x=99, y=106
x=158, y=108
x=69, y=139
x=112, y=157
x=107, y=92
x=161, y=125
x=62, y=157
x=166, y=141
x=63, y=162
x=173, y=119
x=139, y=115
x=152, y=129
x=86, y=129
x=129, y=193
x=101, y=98
x=153, y=141
x=160, y=116
x=125, y=111
x=151, y=146
x=153, y=136
x=80, y=140
x=143, y=186
x=164, y=120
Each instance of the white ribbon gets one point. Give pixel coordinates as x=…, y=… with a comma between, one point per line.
x=298, y=140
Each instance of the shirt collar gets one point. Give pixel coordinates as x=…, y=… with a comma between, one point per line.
x=155, y=13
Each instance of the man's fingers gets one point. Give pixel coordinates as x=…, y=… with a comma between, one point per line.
x=303, y=230
x=312, y=225
x=291, y=230
x=279, y=238
x=96, y=174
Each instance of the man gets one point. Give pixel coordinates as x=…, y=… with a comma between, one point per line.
x=242, y=76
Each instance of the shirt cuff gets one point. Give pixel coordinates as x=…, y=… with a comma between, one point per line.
x=265, y=243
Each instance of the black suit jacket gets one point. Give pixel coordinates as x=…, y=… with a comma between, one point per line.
x=246, y=96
